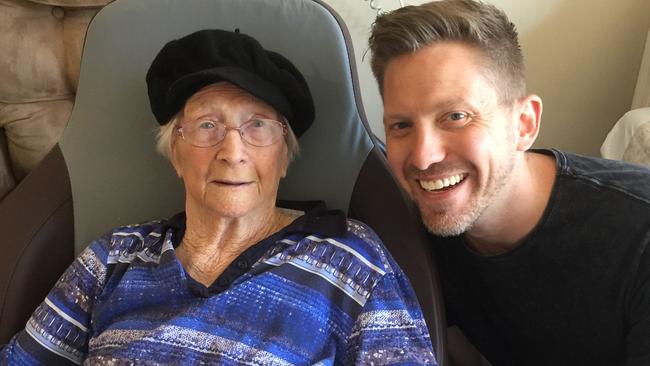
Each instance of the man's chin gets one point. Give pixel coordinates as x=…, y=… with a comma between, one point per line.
x=446, y=224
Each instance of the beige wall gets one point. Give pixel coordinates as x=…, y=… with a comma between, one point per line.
x=582, y=58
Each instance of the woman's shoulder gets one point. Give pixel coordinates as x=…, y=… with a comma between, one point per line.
x=335, y=237
x=366, y=241
x=123, y=244
x=346, y=253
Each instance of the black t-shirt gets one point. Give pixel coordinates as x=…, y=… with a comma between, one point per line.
x=577, y=291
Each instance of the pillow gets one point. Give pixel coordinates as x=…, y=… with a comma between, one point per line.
x=39, y=67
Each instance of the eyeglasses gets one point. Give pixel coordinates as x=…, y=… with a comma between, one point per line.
x=205, y=132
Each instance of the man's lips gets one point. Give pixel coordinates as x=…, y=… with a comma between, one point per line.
x=439, y=184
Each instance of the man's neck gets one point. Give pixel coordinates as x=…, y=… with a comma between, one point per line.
x=505, y=225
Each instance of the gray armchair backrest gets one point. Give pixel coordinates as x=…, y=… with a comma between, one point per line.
x=117, y=177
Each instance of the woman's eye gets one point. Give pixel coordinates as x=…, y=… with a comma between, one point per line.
x=258, y=123
x=206, y=125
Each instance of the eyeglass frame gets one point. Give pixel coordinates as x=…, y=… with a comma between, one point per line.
x=239, y=129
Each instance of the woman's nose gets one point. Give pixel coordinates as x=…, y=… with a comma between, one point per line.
x=232, y=148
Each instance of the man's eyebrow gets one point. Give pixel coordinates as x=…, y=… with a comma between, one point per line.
x=441, y=105
x=394, y=117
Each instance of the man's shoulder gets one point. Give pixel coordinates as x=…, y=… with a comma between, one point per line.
x=623, y=180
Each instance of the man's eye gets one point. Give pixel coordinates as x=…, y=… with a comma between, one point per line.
x=206, y=125
x=456, y=119
x=399, y=128
x=457, y=116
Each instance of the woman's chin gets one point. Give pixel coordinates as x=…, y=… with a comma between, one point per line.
x=231, y=207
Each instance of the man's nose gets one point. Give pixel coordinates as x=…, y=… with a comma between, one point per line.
x=428, y=149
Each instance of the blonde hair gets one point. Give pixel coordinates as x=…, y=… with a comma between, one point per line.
x=479, y=25
x=165, y=138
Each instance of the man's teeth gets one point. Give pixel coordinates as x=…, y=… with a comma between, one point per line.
x=433, y=185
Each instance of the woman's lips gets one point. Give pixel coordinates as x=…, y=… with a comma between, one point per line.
x=231, y=183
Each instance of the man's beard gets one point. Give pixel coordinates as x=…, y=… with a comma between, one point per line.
x=442, y=222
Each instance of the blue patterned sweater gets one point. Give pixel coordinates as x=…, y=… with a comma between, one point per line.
x=307, y=295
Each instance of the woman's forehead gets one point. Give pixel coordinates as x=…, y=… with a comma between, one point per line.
x=224, y=96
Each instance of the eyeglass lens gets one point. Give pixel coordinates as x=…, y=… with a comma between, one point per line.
x=257, y=132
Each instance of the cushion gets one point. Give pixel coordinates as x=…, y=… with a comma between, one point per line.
x=39, y=67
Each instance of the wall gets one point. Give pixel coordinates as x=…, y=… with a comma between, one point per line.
x=582, y=58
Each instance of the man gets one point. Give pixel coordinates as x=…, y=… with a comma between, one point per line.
x=544, y=255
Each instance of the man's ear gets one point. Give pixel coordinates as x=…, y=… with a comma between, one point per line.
x=529, y=115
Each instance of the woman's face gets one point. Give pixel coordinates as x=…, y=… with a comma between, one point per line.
x=233, y=178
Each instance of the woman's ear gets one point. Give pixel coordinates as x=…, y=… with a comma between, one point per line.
x=173, y=158
x=285, y=161
x=529, y=115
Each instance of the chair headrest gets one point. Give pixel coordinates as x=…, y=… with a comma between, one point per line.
x=117, y=177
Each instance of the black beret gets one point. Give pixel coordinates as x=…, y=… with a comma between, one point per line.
x=185, y=65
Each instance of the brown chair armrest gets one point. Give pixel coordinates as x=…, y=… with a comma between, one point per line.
x=37, y=241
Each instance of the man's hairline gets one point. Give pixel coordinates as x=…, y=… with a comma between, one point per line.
x=483, y=63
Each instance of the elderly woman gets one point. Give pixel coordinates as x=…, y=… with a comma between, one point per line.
x=234, y=279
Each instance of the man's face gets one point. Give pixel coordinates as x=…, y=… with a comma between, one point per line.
x=450, y=142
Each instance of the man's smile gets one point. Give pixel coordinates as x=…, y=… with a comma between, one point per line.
x=441, y=183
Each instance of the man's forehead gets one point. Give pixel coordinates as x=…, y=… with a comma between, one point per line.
x=446, y=74
x=438, y=54
x=439, y=63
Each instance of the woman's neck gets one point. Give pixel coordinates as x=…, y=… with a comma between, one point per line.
x=211, y=242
